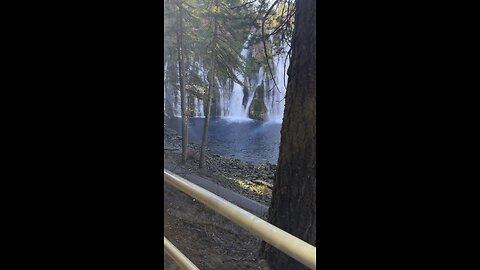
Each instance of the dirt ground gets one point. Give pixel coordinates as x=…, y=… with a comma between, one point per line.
x=209, y=240
x=224, y=171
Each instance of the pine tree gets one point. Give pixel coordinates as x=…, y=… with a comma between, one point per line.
x=222, y=54
x=293, y=206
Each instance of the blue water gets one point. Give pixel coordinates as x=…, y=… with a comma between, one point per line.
x=252, y=141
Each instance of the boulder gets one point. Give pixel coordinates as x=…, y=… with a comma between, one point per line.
x=257, y=109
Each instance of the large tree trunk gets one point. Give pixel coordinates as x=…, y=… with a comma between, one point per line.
x=293, y=206
x=181, y=76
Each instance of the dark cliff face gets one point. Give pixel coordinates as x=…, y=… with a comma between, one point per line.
x=257, y=109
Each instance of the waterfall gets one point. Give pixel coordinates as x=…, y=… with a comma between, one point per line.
x=231, y=94
x=198, y=108
x=172, y=96
x=231, y=98
x=236, y=109
x=275, y=99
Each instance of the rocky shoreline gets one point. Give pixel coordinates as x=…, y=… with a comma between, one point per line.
x=252, y=181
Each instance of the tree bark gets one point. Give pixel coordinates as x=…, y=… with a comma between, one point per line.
x=211, y=85
x=293, y=206
x=181, y=76
x=203, y=147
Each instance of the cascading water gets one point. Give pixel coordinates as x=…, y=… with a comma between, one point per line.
x=275, y=98
x=236, y=111
x=198, y=108
x=198, y=103
x=172, y=96
x=231, y=101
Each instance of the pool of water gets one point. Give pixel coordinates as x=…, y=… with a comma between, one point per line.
x=252, y=141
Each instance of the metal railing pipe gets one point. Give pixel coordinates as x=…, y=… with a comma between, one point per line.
x=287, y=243
x=178, y=256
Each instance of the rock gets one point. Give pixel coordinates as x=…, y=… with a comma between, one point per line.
x=257, y=109
x=245, y=96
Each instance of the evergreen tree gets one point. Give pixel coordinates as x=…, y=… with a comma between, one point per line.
x=181, y=77
x=293, y=206
x=222, y=54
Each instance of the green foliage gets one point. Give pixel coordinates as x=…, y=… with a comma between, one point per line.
x=238, y=23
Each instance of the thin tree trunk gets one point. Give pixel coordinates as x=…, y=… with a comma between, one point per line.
x=207, y=119
x=211, y=85
x=181, y=76
x=293, y=206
